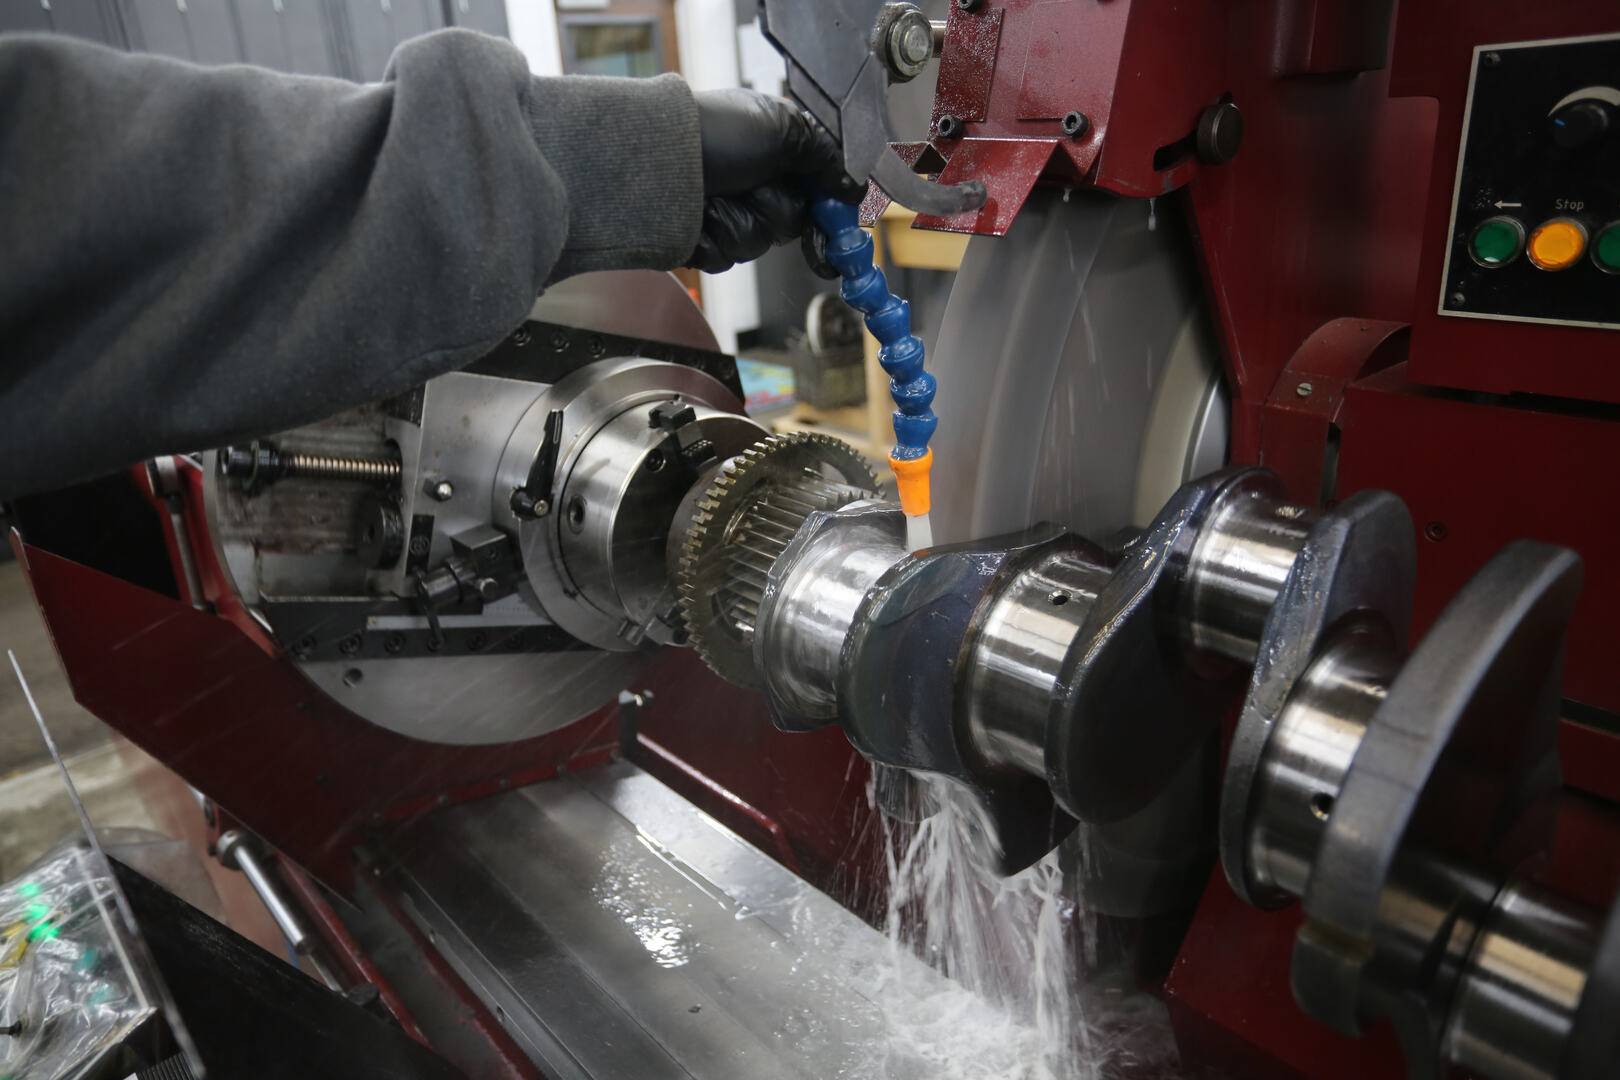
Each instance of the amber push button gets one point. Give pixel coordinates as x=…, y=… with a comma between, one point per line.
x=1557, y=244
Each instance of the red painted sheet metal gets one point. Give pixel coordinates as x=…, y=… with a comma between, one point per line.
x=1318, y=217
x=724, y=805
x=813, y=785
x=1073, y=45
x=356, y=967
x=1009, y=169
x=1591, y=761
x=1140, y=71
x=244, y=727
x=1174, y=63
x=967, y=65
x=1060, y=64
x=1331, y=37
x=470, y=1011
x=1304, y=405
x=1477, y=476
x=1433, y=55
x=1232, y=1006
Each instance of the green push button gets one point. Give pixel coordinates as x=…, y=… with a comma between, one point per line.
x=1496, y=241
x=1606, y=250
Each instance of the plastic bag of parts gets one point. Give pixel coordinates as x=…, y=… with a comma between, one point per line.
x=66, y=989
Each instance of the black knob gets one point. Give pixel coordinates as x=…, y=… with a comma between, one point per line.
x=1220, y=133
x=1582, y=123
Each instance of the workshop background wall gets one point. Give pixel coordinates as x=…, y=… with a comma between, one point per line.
x=351, y=39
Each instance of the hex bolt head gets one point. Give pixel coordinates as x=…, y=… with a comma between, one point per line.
x=909, y=44
x=917, y=39
x=968, y=5
x=440, y=490
x=1075, y=124
x=525, y=505
x=949, y=127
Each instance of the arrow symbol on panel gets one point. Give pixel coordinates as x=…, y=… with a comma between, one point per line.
x=1500, y=205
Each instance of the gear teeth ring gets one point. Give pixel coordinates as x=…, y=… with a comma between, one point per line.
x=742, y=522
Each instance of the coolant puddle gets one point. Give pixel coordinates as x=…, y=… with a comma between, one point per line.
x=626, y=892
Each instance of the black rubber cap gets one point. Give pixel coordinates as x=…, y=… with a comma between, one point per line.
x=1220, y=133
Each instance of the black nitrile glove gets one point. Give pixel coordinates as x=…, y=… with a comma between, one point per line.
x=762, y=160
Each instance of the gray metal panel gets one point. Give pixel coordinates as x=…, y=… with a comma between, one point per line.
x=370, y=37
x=91, y=19
x=262, y=41
x=413, y=18
x=488, y=16
x=619, y=932
x=213, y=32
x=376, y=27
x=646, y=304
x=16, y=15
x=288, y=35
x=157, y=26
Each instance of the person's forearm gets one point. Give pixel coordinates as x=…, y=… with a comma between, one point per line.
x=190, y=256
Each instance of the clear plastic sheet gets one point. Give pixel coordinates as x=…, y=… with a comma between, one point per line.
x=65, y=979
x=75, y=975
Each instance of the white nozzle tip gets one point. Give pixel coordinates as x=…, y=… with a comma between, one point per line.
x=919, y=533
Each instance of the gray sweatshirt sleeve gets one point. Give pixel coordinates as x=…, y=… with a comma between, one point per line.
x=194, y=255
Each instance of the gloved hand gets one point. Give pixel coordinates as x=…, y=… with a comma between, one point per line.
x=762, y=160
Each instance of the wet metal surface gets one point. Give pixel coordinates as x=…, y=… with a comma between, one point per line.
x=618, y=931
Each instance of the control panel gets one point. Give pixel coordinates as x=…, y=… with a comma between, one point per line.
x=1535, y=215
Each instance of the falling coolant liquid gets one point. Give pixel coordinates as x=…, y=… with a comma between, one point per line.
x=1015, y=1004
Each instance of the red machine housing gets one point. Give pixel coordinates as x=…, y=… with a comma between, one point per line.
x=1321, y=242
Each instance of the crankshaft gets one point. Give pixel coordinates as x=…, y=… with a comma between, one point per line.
x=1396, y=794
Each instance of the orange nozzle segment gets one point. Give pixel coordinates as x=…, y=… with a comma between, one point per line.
x=911, y=477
